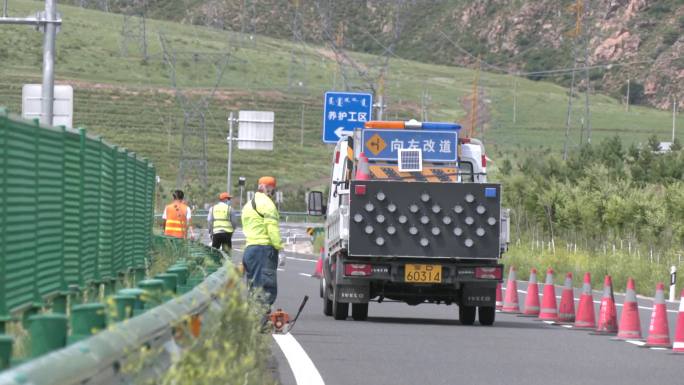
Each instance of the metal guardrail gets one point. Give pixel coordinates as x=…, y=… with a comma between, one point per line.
x=100, y=358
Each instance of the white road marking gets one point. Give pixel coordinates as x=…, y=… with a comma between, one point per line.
x=303, y=368
x=279, y=269
x=306, y=275
x=636, y=342
x=567, y=326
x=301, y=259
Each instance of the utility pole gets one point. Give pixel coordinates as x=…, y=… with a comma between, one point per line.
x=515, y=99
x=301, y=125
x=674, y=116
x=627, y=96
x=474, y=102
x=47, y=22
x=381, y=92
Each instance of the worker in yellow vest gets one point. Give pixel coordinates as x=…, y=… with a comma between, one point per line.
x=221, y=220
x=176, y=217
x=260, y=219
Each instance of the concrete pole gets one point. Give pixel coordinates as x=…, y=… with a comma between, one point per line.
x=515, y=100
x=230, y=153
x=301, y=127
x=674, y=116
x=4, y=9
x=627, y=96
x=48, y=91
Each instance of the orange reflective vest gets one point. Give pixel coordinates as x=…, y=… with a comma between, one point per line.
x=176, y=220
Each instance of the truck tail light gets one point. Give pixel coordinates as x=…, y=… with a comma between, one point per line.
x=484, y=160
x=337, y=157
x=360, y=189
x=357, y=269
x=488, y=272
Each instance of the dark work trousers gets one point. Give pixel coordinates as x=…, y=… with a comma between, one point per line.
x=222, y=239
x=261, y=264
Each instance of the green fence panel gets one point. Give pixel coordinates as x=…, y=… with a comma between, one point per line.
x=4, y=310
x=129, y=240
x=89, y=213
x=72, y=207
x=49, y=239
x=141, y=210
x=20, y=215
x=105, y=226
x=119, y=214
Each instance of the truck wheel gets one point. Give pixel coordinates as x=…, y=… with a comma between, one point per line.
x=360, y=311
x=340, y=310
x=327, y=302
x=466, y=314
x=486, y=315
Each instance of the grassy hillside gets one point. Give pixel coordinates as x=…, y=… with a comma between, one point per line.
x=130, y=102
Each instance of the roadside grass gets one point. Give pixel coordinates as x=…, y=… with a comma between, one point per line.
x=130, y=102
x=230, y=348
x=619, y=264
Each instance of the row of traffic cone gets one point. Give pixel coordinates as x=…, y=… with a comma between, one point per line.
x=584, y=319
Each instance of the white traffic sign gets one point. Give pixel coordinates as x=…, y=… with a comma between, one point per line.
x=343, y=112
x=255, y=130
x=63, y=105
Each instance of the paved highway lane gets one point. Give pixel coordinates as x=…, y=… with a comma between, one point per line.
x=425, y=344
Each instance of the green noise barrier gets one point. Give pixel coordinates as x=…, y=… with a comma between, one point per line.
x=75, y=212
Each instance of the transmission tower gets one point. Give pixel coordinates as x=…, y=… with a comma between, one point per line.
x=134, y=30
x=248, y=15
x=193, y=165
x=297, y=71
x=369, y=74
x=102, y=5
x=579, y=36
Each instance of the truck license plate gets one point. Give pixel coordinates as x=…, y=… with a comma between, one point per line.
x=415, y=273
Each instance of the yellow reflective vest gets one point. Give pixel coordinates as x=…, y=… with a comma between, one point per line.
x=220, y=214
x=261, y=225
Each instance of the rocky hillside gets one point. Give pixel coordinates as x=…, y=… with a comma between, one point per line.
x=642, y=39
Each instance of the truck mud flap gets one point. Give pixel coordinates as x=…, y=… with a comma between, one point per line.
x=352, y=293
x=479, y=295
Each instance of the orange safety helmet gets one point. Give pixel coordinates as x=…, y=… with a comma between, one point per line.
x=224, y=196
x=267, y=181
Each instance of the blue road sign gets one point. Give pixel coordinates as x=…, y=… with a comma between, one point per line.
x=437, y=146
x=343, y=112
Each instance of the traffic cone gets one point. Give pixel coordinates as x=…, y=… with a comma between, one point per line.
x=585, y=318
x=659, y=331
x=566, y=310
x=607, y=323
x=532, y=298
x=499, y=297
x=549, y=310
x=511, y=304
x=362, y=169
x=318, y=272
x=678, y=346
x=630, y=326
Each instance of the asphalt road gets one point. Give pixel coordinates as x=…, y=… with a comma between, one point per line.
x=425, y=344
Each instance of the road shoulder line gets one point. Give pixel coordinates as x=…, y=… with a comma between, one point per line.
x=303, y=368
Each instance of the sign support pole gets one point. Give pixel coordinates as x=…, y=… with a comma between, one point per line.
x=49, y=63
x=230, y=152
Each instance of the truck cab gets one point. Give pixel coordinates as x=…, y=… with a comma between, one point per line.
x=411, y=218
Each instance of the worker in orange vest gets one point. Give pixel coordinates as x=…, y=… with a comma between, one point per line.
x=176, y=217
